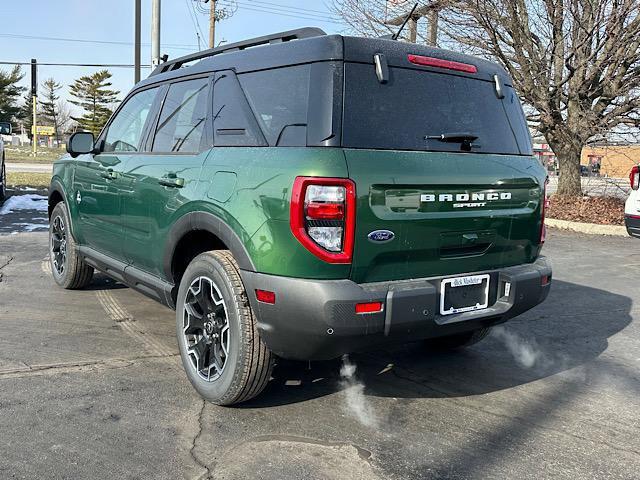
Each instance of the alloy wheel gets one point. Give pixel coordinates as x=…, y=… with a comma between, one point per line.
x=59, y=245
x=206, y=328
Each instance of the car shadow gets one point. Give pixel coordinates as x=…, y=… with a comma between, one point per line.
x=101, y=281
x=569, y=330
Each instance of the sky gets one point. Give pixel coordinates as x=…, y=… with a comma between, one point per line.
x=29, y=28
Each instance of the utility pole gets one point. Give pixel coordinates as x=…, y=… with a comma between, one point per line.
x=136, y=41
x=212, y=24
x=155, y=33
x=34, y=98
x=413, y=29
x=430, y=11
x=433, y=27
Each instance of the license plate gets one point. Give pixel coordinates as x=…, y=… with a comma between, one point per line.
x=464, y=294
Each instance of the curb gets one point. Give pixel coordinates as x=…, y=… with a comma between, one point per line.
x=588, y=228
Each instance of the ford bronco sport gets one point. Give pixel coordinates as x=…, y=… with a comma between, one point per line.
x=305, y=195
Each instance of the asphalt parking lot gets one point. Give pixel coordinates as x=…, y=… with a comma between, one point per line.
x=91, y=387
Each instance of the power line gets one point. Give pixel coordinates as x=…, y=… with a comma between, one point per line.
x=193, y=20
x=83, y=40
x=284, y=11
x=94, y=65
x=289, y=7
x=271, y=10
x=195, y=15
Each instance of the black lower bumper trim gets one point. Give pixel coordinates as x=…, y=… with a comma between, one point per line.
x=632, y=222
x=316, y=319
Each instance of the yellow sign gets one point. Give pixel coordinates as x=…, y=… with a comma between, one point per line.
x=44, y=130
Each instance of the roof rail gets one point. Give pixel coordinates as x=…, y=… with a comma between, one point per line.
x=298, y=34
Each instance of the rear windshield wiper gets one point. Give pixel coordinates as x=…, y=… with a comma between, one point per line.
x=453, y=137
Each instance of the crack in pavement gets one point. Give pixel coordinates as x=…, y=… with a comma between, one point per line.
x=6, y=263
x=69, y=367
x=207, y=475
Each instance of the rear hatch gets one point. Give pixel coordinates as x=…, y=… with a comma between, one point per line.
x=442, y=159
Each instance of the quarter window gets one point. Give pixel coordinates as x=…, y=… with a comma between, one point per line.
x=280, y=99
x=183, y=117
x=125, y=131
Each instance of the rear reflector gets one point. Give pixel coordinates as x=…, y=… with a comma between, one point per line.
x=440, y=63
x=371, y=307
x=545, y=280
x=266, y=296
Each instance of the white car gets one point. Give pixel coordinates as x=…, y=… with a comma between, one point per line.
x=632, y=206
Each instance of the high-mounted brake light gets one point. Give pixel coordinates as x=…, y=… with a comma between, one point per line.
x=634, y=177
x=440, y=63
x=322, y=216
x=545, y=204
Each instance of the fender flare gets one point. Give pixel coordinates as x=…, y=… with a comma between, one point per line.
x=56, y=186
x=212, y=224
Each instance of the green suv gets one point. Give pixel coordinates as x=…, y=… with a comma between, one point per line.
x=303, y=196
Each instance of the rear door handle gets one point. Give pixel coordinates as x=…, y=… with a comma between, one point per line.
x=109, y=174
x=174, y=182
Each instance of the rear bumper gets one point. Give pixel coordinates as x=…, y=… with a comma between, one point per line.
x=316, y=319
x=632, y=222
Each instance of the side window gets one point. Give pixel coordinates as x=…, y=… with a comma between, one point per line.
x=233, y=122
x=280, y=100
x=125, y=131
x=183, y=117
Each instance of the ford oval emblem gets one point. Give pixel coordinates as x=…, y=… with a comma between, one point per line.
x=381, y=236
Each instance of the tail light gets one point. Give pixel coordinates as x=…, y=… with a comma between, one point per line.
x=634, y=177
x=322, y=216
x=545, y=204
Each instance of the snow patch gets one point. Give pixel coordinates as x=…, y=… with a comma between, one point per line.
x=30, y=227
x=24, y=202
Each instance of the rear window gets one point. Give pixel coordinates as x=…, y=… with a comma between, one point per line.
x=415, y=104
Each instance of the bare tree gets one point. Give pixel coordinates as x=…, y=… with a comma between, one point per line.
x=65, y=122
x=576, y=63
x=376, y=18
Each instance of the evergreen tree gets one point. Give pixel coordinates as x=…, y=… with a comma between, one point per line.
x=25, y=113
x=49, y=105
x=9, y=93
x=94, y=96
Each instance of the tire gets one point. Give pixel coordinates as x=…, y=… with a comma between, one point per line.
x=222, y=353
x=68, y=269
x=3, y=180
x=452, y=342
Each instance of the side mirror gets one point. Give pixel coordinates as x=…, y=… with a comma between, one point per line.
x=80, y=143
x=5, y=128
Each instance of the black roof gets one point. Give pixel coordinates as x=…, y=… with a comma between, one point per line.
x=310, y=45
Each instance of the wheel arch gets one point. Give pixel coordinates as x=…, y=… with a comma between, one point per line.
x=195, y=233
x=56, y=195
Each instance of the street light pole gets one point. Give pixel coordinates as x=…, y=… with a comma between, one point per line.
x=34, y=98
x=155, y=33
x=136, y=41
